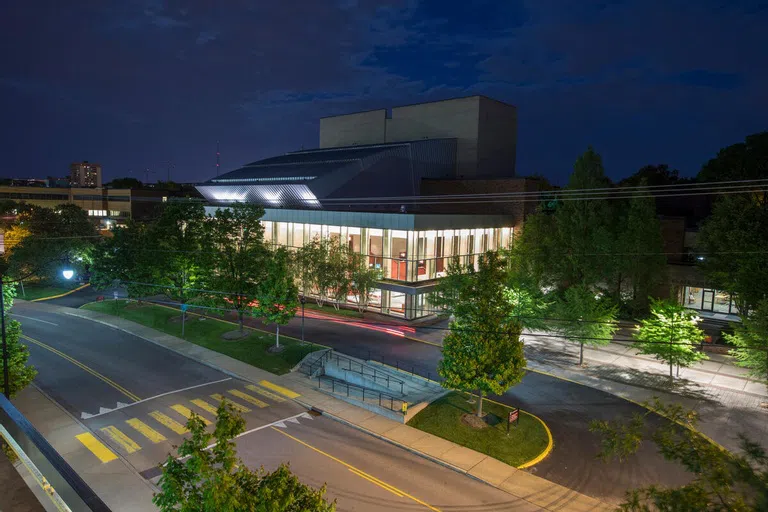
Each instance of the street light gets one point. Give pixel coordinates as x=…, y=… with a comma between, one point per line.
x=68, y=273
x=303, y=301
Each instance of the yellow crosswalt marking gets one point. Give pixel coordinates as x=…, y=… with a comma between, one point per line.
x=145, y=430
x=83, y=367
x=378, y=482
x=123, y=440
x=103, y=453
x=205, y=406
x=184, y=411
x=248, y=398
x=235, y=405
x=359, y=472
x=279, y=389
x=265, y=393
x=169, y=422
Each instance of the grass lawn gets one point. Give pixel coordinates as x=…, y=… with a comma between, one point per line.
x=207, y=333
x=330, y=310
x=443, y=419
x=41, y=290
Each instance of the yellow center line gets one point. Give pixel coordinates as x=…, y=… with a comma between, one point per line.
x=80, y=365
x=379, y=483
x=357, y=471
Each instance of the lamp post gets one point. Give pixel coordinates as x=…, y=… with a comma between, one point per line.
x=68, y=274
x=303, y=301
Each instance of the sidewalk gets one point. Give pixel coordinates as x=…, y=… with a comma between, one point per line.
x=521, y=484
x=115, y=482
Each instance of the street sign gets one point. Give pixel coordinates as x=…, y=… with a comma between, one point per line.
x=184, y=307
x=514, y=415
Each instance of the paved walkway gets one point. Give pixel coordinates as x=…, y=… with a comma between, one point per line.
x=541, y=492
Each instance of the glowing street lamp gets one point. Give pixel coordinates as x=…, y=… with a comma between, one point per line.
x=68, y=273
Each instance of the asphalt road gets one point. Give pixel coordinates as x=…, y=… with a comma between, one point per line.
x=566, y=407
x=129, y=389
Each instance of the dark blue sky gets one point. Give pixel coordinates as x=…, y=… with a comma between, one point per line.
x=137, y=83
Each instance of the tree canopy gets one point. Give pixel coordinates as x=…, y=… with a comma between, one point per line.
x=746, y=160
x=483, y=351
x=19, y=372
x=278, y=296
x=751, y=341
x=197, y=479
x=584, y=317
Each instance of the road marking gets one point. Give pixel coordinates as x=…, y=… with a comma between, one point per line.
x=357, y=471
x=205, y=406
x=128, y=444
x=145, y=430
x=279, y=389
x=184, y=411
x=378, y=482
x=103, y=453
x=84, y=367
x=158, y=396
x=169, y=422
x=265, y=393
x=248, y=398
x=236, y=406
x=35, y=319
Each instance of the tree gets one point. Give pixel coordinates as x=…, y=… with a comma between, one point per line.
x=364, y=280
x=483, y=352
x=237, y=257
x=639, y=252
x=751, y=340
x=733, y=242
x=176, y=245
x=199, y=479
x=277, y=295
x=337, y=270
x=126, y=182
x=20, y=374
x=448, y=288
x=746, y=160
x=584, y=317
x=56, y=236
x=670, y=334
x=654, y=175
x=721, y=481
x=123, y=258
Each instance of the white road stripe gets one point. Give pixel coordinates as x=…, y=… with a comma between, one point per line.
x=158, y=396
x=35, y=319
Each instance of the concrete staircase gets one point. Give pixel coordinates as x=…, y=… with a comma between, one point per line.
x=373, y=386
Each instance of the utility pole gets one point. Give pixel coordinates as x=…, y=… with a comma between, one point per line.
x=147, y=172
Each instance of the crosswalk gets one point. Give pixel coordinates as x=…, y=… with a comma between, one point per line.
x=159, y=424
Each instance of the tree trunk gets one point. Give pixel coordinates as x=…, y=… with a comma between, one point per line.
x=277, y=336
x=479, y=404
x=581, y=353
x=240, y=320
x=678, y=370
x=670, y=370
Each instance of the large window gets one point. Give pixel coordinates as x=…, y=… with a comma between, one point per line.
x=707, y=299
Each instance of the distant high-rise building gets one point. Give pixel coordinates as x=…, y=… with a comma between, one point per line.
x=85, y=174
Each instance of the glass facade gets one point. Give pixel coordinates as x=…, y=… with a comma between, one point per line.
x=403, y=256
x=707, y=299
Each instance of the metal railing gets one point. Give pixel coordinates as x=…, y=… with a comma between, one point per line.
x=384, y=400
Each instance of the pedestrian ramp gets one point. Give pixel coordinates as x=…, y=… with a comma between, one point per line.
x=166, y=422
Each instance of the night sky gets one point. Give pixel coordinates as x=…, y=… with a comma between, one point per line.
x=143, y=83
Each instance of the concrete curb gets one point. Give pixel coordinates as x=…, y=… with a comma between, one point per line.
x=41, y=299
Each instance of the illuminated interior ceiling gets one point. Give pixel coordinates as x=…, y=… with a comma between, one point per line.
x=304, y=179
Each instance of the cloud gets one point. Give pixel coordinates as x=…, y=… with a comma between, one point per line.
x=206, y=36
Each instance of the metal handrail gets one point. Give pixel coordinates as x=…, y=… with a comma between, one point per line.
x=375, y=375
x=376, y=394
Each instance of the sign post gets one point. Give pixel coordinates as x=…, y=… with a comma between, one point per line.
x=514, y=415
x=405, y=408
x=183, y=317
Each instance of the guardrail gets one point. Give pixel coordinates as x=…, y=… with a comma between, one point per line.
x=386, y=401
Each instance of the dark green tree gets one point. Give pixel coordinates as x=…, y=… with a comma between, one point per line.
x=176, y=251
x=751, y=341
x=19, y=372
x=720, y=481
x=126, y=182
x=671, y=334
x=483, y=352
x=654, y=175
x=59, y=236
x=364, y=279
x=278, y=296
x=447, y=290
x=746, y=160
x=584, y=317
x=122, y=259
x=238, y=257
x=197, y=479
